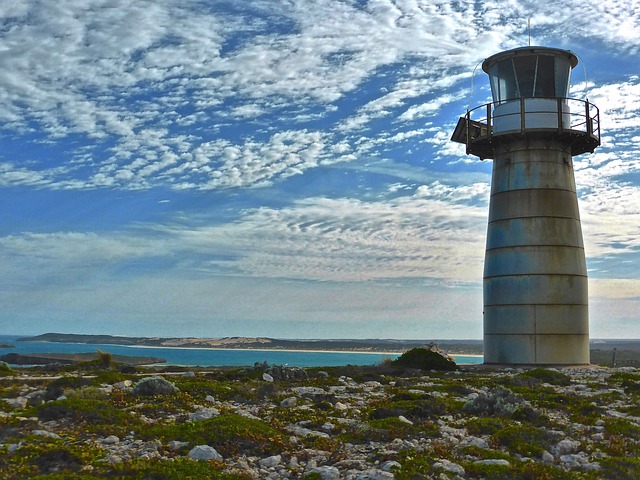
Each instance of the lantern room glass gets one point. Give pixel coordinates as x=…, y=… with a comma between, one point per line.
x=530, y=76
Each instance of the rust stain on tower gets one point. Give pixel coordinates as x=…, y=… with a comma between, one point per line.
x=535, y=275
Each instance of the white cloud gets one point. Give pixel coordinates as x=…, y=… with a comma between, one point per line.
x=418, y=236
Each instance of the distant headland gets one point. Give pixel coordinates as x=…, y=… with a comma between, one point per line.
x=466, y=347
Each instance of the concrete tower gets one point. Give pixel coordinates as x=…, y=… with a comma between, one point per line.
x=535, y=275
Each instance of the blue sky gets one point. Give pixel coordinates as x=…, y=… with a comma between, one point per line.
x=283, y=169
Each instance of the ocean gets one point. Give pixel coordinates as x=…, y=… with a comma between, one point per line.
x=208, y=357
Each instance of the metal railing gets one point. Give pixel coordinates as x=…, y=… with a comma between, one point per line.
x=577, y=121
x=573, y=115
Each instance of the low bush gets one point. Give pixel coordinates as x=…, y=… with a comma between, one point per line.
x=97, y=416
x=498, y=401
x=424, y=359
x=525, y=440
x=486, y=425
x=179, y=468
x=543, y=375
x=60, y=385
x=229, y=434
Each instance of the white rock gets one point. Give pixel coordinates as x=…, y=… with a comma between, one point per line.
x=326, y=472
x=472, y=441
x=111, y=440
x=547, y=457
x=305, y=432
x=494, y=461
x=390, y=465
x=267, y=378
x=270, y=462
x=309, y=390
x=175, y=445
x=124, y=385
x=18, y=402
x=404, y=419
x=448, y=466
x=570, y=461
x=328, y=426
x=210, y=399
x=289, y=402
x=204, y=413
x=373, y=474
x=204, y=452
x=591, y=466
x=340, y=406
x=566, y=446
x=45, y=433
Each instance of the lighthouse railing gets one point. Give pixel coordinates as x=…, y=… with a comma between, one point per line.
x=576, y=119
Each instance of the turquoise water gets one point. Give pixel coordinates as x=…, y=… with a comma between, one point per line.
x=206, y=357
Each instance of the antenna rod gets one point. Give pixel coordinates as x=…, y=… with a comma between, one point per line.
x=529, y=28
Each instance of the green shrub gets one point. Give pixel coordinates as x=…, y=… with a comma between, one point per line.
x=60, y=385
x=519, y=470
x=546, y=376
x=229, y=434
x=486, y=425
x=39, y=457
x=525, y=440
x=393, y=426
x=5, y=369
x=424, y=407
x=201, y=387
x=424, y=359
x=179, y=468
x=621, y=468
x=623, y=428
x=96, y=415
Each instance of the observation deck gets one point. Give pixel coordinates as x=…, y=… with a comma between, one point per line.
x=576, y=122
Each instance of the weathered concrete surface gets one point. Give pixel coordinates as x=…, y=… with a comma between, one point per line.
x=535, y=276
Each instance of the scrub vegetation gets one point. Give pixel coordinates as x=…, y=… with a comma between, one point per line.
x=100, y=422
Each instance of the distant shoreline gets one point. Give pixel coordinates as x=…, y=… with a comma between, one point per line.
x=303, y=350
x=370, y=346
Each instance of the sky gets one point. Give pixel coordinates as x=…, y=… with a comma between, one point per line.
x=284, y=168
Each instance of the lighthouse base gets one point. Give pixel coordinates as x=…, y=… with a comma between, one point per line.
x=536, y=349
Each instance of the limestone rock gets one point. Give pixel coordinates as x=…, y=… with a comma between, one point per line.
x=204, y=452
x=448, y=466
x=154, y=386
x=566, y=446
x=494, y=461
x=18, y=402
x=111, y=440
x=204, y=413
x=289, y=402
x=326, y=472
x=270, y=462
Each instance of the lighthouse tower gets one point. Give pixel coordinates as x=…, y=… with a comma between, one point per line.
x=535, y=275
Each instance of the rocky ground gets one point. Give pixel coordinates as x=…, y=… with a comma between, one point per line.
x=335, y=423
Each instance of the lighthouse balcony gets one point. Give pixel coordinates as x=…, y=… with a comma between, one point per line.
x=574, y=121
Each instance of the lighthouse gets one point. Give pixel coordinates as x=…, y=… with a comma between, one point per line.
x=535, y=277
